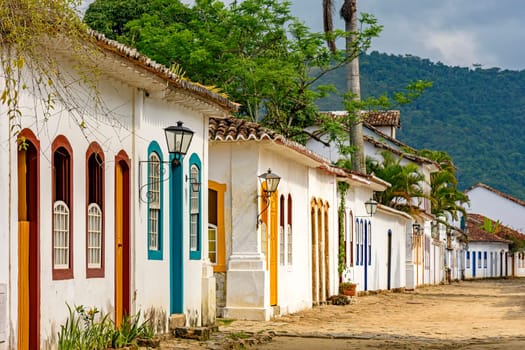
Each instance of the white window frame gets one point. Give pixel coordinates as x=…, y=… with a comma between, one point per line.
x=94, y=241
x=154, y=203
x=61, y=243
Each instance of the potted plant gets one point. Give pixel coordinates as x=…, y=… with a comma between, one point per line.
x=347, y=288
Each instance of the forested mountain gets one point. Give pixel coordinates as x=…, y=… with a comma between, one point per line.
x=476, y=115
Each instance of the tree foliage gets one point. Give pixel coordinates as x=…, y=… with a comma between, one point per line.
x=406, y=182
x=29, y=33
x=254, y=50
x=471, y=113
x=445, y=197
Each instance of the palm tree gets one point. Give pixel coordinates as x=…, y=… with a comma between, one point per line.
x=349, y=14
x=405, y=180
x=444, y=196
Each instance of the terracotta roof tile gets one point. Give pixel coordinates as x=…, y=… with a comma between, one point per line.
x=477, y=234
x=383, y=118
x=235, y=129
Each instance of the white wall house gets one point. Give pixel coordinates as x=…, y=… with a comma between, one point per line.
x=424, y=256
x=95, y=213
x=488, y=254
x=265, y=251
x=497, y=205
x=375, y=245
x=509, y=211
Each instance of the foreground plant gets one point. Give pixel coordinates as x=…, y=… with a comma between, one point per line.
x=92, y=330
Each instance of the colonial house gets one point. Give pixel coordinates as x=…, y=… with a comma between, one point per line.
x=424, y=251
x=98, y=209
x=488, y=253
x=276, y=251
x=488, y=201
x=508, y=212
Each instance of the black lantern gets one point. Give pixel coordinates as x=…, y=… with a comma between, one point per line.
x=272, y=181
x=178, y=139
x=371, y=207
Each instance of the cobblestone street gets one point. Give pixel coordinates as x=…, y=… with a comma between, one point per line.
x=487, y=314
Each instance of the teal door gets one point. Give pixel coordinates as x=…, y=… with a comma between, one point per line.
x=176, y=239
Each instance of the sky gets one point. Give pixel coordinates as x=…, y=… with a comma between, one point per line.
x=453, y=32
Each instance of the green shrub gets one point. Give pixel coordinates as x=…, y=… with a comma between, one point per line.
x=83, y=330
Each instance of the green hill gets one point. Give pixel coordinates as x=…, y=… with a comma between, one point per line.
x=476, y=115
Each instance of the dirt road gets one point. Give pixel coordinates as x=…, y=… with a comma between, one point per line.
x=488, y=314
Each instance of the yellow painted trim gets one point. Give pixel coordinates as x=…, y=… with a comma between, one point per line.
x=221, y=234
x=274, y=246
x=23, y=284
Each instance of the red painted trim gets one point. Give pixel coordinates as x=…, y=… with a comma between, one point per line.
x=122, y=159
x=34, y=244
x=94, y=148
x=62, y=142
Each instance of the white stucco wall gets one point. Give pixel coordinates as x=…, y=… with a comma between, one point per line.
x=123, y=109
x=5, y=285
x=497, y=266
x=496, y=207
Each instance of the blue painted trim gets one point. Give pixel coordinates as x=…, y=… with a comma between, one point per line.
x=176, y=238
x=156, y=254
x=195, y=160
x=366, y=256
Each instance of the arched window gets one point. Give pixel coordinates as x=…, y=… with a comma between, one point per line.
x=195, y=207
x=62, y=213
x=155, y=199
x=95, y=211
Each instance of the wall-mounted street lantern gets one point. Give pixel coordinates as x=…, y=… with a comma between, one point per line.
x=371, y=207
x=178, y=140
x=417, y=229
x=272, y=182
x=269, y=182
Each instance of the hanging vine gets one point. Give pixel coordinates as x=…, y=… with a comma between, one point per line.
x=342, y=188
x=31, y=31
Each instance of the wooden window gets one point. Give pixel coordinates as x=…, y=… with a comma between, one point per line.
x=290, y=232
x=195, y=208
x=212, y=244
x=485, y=259
x=216, y=220
x=155, y=202
x=95, y=211
x=282, y=224
x=468, y=260
x=61, y=236
x=94, y=246
x=62, y=212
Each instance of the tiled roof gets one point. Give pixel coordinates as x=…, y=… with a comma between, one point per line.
x=499, y=193
x=477, y=234
x=374, y=118
x=383, y=118
x=132, y=55
x=235, y=129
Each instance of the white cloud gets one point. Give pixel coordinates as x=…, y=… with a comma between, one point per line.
x=457, y=48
